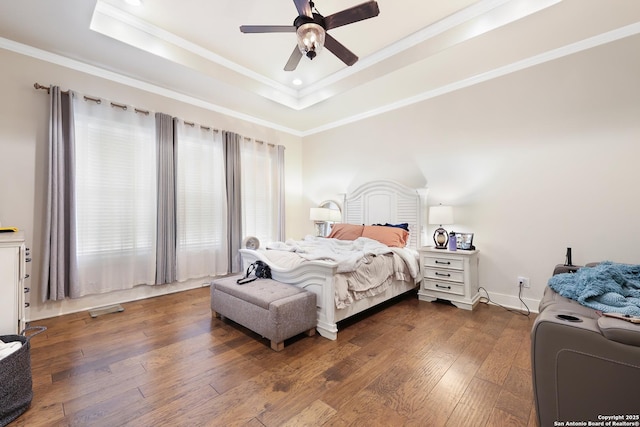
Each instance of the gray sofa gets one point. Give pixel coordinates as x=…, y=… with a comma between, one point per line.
x=585, y=367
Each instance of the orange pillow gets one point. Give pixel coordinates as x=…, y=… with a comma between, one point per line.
x=390, y=236
x=346, y=231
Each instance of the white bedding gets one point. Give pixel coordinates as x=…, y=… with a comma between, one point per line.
x=366, y=267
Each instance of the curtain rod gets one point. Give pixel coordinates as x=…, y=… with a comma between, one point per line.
x=246, y=138
x=38, y=86
x=94, y=99
x=203, y=127
x=47, y=88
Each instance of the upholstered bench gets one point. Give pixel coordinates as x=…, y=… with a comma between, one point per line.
x=275, y=310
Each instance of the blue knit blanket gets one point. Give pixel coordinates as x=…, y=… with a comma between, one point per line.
x=608, y=287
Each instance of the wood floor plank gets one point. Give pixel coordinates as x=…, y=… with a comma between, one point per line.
x=518, y=383
x=100, y=414
x=334, y=386
x=514, y=405
x=475, y=405
x=316, y=414
x=165, y=361
x=166, y=408
x=496, y=366
x=499, y=418
x=411, y=391
x=364, y=410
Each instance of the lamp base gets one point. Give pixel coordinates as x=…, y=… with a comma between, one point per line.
x=441, y=238
x=321, y=229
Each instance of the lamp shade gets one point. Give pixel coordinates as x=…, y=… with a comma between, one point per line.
x=320, y=214
x=441, y=215
x=310, y=39
x=335, y=215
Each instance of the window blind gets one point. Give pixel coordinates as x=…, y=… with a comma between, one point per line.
x=115, y=196
x=201, y=202
x=259, y=190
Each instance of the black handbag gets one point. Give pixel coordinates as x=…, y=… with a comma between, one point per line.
x=259, y=269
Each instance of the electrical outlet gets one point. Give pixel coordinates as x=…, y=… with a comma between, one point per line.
x=523, y=281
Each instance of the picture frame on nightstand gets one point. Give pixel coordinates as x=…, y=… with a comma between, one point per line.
x=464, y=241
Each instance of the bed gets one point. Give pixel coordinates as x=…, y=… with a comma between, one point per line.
x=376, y=202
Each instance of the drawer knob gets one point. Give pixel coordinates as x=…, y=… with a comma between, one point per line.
x=443, y=287
x=443, y=262
x=442, y=274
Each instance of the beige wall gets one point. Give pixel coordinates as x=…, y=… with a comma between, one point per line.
x=23, y=141
x=533, y=162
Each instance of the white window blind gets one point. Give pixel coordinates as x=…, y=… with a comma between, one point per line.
x=115, y=196
x=201, y=203
x=260, y=192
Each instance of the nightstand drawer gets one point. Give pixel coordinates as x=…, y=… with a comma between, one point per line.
x=438, y=274
x=442, y=286
x=437, y=262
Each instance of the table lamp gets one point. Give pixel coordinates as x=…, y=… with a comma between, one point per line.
x=441, y=215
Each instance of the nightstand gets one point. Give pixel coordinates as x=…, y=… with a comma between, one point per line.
x=449, y=275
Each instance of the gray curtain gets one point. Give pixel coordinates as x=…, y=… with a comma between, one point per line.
x=231, y=143
x=59, y=278
x=166, y=226
x=280, y=189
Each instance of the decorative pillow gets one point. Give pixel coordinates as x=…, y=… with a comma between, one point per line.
x=390, y=236
x=346, y=231
x=403, y=225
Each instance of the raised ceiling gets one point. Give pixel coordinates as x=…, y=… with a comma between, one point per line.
x=414, y=50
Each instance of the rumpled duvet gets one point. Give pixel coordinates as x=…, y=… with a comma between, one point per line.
x=366, y=267
x=608, y=287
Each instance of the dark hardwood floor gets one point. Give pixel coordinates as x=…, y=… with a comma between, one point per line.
x=166, y=362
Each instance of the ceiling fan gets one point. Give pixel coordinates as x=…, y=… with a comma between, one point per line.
x=311, y=28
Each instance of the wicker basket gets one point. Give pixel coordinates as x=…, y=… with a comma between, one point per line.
x=15, y=378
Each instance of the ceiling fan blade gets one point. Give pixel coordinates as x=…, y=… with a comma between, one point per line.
x=338, y=49
x=353, y=14
x=294, y=59
x=304, y=8
x=267, y=28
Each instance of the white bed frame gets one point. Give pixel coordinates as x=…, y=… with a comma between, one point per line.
x=375, y=202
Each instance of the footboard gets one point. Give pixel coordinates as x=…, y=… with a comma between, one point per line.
x=313, y=276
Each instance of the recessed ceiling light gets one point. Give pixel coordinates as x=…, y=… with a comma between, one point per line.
x=134, y=2
x=297, y=82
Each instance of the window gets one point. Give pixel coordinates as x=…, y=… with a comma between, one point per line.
x=115, y=196
x=261, y=216
x=201, y=202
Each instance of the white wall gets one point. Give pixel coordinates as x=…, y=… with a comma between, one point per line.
x=533, y=162
x=23, y=148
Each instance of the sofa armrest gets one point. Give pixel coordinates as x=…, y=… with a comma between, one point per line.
x=620, y=331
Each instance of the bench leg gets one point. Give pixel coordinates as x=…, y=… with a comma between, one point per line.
x=216, y=314
x=277, y=346
x=311, y=332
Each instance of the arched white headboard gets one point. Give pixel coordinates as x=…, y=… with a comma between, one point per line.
x=380, y=202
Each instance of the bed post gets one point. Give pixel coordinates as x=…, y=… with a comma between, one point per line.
x=422, y=217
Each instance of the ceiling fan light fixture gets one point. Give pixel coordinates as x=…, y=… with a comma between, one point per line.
x=310, y=39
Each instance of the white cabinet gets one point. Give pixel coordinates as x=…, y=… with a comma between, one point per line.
x=12, y=276
x=449, y=275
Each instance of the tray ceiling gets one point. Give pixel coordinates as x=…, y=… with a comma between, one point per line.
x=414, y=50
